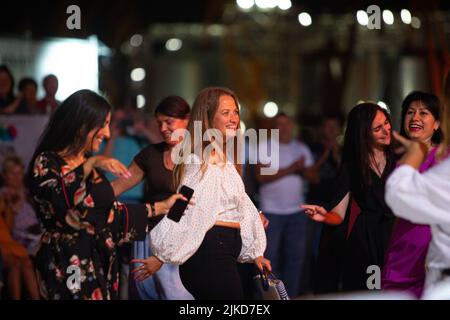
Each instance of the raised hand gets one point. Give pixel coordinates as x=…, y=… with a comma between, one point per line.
x=112, y=165
x=416, y=151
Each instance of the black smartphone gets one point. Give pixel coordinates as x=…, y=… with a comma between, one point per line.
x=177, y=210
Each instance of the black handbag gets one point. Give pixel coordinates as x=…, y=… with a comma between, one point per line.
x=269, y=287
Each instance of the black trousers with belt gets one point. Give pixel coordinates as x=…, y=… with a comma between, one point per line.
x=212, y=272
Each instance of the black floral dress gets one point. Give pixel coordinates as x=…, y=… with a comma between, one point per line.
x=83, y=226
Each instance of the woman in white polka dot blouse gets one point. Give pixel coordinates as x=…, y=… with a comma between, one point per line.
x=223, y=227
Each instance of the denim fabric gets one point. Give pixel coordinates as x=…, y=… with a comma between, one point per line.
x=165, y=284
x=286, y=248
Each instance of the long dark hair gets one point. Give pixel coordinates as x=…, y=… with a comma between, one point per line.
x=432, y=104
x=359, y=142
x=71, y=122
x=10, y=94
x=173, y=106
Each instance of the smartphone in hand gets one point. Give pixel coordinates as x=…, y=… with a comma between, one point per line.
x=176, y=212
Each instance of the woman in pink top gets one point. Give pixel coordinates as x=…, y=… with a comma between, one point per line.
x=404, y=268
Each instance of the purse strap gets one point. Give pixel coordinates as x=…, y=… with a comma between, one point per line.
x=63, y=185
x=265, y=276
x=65, y=192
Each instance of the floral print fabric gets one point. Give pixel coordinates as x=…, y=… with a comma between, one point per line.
x=83, y=226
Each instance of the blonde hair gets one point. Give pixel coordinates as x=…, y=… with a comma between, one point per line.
x=204, y=109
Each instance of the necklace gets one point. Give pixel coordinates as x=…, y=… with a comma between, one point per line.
x=378, y=166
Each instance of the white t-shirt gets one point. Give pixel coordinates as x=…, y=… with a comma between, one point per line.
x=284, y=195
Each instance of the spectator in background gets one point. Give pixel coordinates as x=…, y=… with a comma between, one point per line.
x=28, y=93
x=279, y=197
x=123, y=147
x=17, y=220
x=146, y=130
x=49, y=103
x=327, y=156
x=8, y=101
x=25, y=225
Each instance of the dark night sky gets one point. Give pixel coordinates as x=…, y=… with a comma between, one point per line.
x=115, y=21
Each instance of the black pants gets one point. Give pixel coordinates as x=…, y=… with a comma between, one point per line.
x=212, y=272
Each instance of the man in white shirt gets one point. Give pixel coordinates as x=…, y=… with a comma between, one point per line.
x=280, y=196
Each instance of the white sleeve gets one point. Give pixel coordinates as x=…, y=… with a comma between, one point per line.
x=175, y=242
x=420, y=198
x=252, y=231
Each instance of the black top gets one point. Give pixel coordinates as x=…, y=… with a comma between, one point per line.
x=371, y=199
x=369, y=237
x=158, y=179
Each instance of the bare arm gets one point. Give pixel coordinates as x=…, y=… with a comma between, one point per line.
x=106, y=164
x=334, y=217
x=341, y=208
x=122, y=184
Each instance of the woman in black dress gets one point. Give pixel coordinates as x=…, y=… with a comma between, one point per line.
x=366, y=164
x=83, y=222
